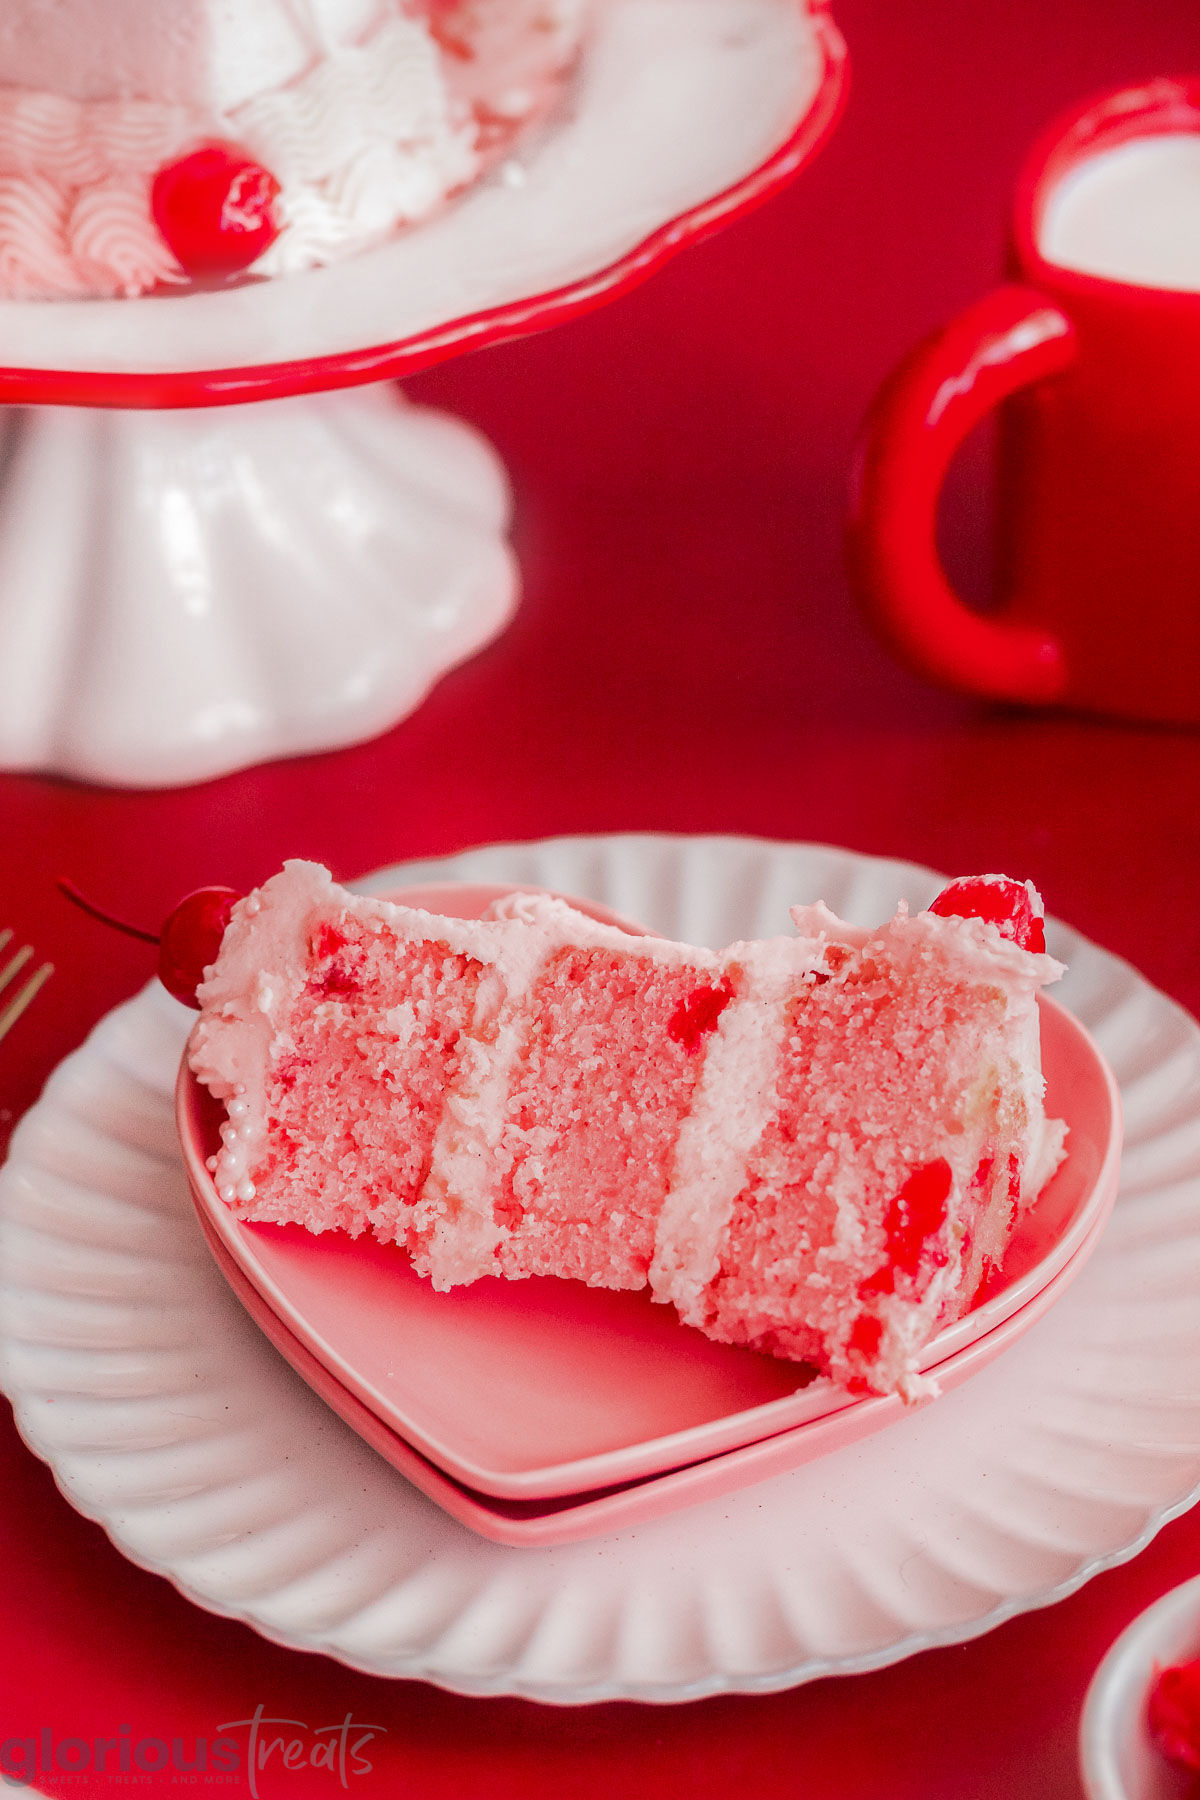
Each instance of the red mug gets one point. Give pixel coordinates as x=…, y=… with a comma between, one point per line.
x=1094, y=351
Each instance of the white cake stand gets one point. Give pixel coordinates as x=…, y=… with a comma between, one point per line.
x=187, y=589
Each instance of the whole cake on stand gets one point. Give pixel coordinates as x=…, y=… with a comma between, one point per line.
x=186, y=590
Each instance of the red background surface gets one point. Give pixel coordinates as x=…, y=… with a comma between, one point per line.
x=686, y=659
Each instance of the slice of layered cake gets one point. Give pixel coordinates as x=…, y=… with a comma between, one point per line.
x=818, y=1145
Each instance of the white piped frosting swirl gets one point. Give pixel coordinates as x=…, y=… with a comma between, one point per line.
x=34, y=261
x=113, y=241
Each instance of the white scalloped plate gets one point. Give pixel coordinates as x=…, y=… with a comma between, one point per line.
x=166, y=1416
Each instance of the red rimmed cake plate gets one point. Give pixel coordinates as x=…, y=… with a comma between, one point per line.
x=526, y=1392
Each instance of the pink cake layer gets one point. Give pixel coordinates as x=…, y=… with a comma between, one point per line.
x=817, y=1145
x=606, y=1082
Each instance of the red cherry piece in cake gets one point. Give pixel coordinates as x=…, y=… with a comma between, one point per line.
x=327, y=940
x=340, y=957
x=983, y=1173
x=866, y=1335
x=916, y=1214
x=191, y=938
x=1010, y=905
x=696, y=1016
x=337, y=979
x=216, y=208
x=1174, y=1714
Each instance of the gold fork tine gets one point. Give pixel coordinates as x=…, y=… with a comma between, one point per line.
x=14, y=965
x=29, y=989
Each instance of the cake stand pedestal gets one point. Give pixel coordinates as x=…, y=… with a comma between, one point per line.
x=186, y=592
x=219, y=544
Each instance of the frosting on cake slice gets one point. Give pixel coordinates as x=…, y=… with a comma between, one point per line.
x=818, y=1145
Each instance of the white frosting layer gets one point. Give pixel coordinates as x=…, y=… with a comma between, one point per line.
x=367, y=119
x=733, y=1101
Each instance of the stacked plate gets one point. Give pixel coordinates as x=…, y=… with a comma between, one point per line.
x=538, y=1412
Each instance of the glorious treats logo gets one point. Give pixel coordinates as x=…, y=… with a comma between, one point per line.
x=236, y=1754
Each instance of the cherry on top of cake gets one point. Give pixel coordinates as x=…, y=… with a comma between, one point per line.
x=188, y=941
x=1014, y=907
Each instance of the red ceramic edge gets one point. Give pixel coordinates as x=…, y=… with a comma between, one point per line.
x=1149, y=109
x=919, y=419
x=1015, y=336
x=382, y=362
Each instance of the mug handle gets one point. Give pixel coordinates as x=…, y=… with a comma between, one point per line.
x=1010, y=338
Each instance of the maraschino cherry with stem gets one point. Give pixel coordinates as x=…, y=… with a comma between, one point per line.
x=189, y=940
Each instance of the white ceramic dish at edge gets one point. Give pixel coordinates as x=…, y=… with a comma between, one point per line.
x=1118, y=1760
x=1062, y=1458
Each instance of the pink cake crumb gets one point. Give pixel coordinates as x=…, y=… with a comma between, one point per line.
x=615, y=1046
x=818, y=1145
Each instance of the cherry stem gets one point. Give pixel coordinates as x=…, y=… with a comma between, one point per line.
x=93, y=911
